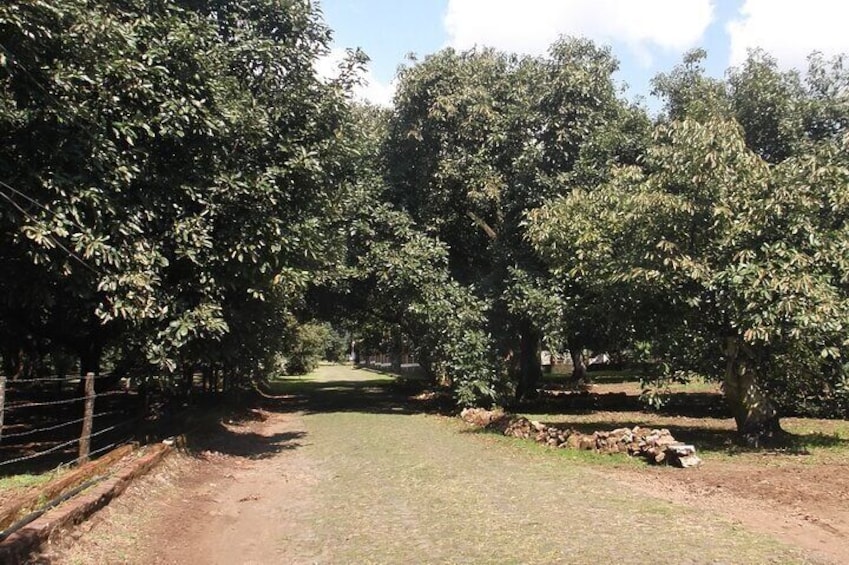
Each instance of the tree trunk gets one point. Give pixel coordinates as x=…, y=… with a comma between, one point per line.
x=530, y=368
x=579, y=364
x=395, y=352
x=207, y=372
x=755, y=414
x=188, y=379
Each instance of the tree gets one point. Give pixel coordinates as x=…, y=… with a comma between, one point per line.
x=478, y=138
x=171, y=170
x=746, y=260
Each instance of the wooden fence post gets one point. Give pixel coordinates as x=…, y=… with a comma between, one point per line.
x=2, y=403
x=85, y=437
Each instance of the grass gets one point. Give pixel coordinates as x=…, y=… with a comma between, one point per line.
x=629, y=381
x=13, y=486
x=24, y=481
x=381, y=483
x=694, y=414
x=577, y=456
x=399, y=487
x=415, y=489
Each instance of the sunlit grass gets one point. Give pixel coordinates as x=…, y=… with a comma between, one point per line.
x=25, y=481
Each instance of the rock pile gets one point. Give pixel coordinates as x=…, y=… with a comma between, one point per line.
x=657, y=446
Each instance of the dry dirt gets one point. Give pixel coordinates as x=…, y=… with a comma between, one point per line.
x=804, y=505
x=215, y=507
x=333, y=483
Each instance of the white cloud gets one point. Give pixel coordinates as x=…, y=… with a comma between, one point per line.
x=531, y=26
x=790, y=30
x=371, y=89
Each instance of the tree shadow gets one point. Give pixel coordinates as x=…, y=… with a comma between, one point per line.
x=689, y=404
x=248, y=445
x=372, y=396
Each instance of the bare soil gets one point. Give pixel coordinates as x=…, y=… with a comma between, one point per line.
x=352, y=474
x=804, y=505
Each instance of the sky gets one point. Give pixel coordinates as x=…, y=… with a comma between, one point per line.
x=647, y=36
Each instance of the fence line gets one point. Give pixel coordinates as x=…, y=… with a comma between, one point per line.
x=54, y=412
x=57, y=426
x=66, y=444
x=83, y=439
x=124, y=441
x=15, y=406
x=70, y=378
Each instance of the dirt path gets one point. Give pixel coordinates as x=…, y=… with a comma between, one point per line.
x=338, y=483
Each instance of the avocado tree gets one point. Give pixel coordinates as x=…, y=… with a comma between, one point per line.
x=744, y=262
x=170, y=171
x=478, y=138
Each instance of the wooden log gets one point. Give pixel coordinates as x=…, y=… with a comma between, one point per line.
x=18, y=546
x=12, y=510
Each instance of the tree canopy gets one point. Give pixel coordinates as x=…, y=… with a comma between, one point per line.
x=735, y=231
x=179, y=188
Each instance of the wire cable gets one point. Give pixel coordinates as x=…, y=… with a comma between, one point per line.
x=56, y=427
x=50, y=238
x=64, y=444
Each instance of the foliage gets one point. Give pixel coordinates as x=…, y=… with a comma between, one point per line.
x=179, y=189
x=306, y=348
x=170, y=172
x=748, y=258
x=476, y=139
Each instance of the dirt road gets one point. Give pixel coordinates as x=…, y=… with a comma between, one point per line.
x=349, y=476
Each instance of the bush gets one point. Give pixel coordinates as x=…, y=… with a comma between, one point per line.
x=307, y=347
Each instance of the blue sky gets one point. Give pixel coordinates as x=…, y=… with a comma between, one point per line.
x=647, y=36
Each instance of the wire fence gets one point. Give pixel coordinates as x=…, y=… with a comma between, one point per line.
x=51, y=422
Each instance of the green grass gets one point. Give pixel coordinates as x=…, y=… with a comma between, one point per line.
x=401, y=489
x=576, y=456
x=24, y=481
x=629, y=381
x=377, y=485
x=326, y=376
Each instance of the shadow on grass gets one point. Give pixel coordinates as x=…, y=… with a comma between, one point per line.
x=604, y=376
x=689, y=404
x=380, y=395
x=378, y=392
x=221, y=439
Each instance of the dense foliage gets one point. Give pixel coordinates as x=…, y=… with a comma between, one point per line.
x=170, y=170
x=179, y=190
x=477, y=139
x=734, y=227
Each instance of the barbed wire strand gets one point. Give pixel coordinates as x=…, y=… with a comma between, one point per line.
x=48, y=237
x=54, y=379
x=64, y=444
x=18, y=405
x=40, y=205
x=56, y=427
x=59, y=104
x=124, y=441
